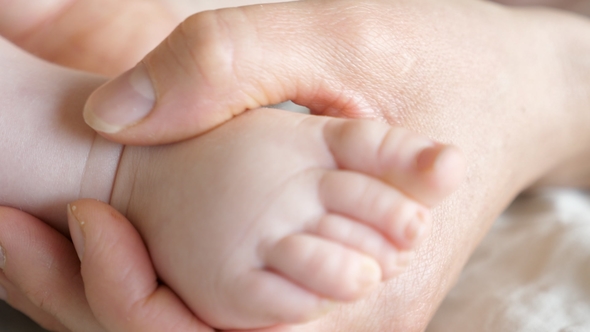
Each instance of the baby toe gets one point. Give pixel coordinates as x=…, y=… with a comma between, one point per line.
x=265, y=298
x=365, y=239
x=370, y=201
x=325, y=267
x=421, y=168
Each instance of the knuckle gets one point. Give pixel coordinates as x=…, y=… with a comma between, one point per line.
x=219, y=52
x=43, y=300
x=210, y=39
x=365, y=35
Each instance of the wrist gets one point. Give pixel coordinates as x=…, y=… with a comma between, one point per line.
x=127, y=172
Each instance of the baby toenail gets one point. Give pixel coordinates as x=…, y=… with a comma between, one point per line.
x=413, y=230
x=2, y=258
x=417, y=227
x=323, y=308
x=404, y=258
x=369, y=274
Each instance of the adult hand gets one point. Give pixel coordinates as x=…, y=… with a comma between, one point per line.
x=42, y=278
x=110, y=36
x=422, y=95
x=372, y=59
x=41, y=274
x=464, y=71
x=100, y=36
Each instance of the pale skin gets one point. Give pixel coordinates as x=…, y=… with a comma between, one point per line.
x=315, y=209
x=497, y=175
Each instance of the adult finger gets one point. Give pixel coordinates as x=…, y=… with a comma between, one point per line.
x=41, y=274
x=217, y=64
x=19, y=301
x=101, y=36
x=121, y=284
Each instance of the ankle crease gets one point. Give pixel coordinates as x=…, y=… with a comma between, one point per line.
x=100, y=169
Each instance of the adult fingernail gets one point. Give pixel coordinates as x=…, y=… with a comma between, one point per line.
x=2, y=259
x=76, y=230
x=122, y=102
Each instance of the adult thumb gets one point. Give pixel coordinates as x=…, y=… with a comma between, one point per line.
x=119, y=279
x=217, y=64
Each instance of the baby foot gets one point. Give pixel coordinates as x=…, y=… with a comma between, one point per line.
x=275, y=216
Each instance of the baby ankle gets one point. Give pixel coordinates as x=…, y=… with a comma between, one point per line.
x=100, y=170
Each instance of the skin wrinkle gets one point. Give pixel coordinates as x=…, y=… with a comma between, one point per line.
x=338, y=104
x=86, y=166
x=142, y=301
x=185, y=38
x=360, y=55
x=334, y=163
x=124, y=208
x=331, y=95
x=381, y=150
x=230, y=29
x=219, y=46
x=117, y=174
x=350, y=54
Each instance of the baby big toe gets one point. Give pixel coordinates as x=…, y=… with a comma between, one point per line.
x=324, y=267
x=419, y=167
x=432, y=173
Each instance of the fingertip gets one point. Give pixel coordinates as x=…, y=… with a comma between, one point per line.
x=76, y=232
x=111, y=245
